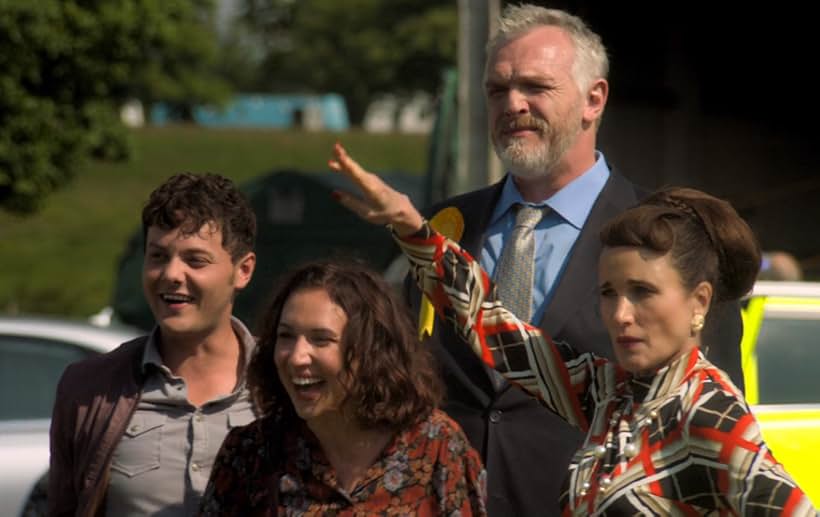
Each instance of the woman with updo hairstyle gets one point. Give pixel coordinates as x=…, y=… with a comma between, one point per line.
x=667, y=433
x=706, y=238
x=349, y=400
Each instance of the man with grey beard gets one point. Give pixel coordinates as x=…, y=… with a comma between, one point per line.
x=546, y=88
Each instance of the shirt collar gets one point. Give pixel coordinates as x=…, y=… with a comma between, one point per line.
x=573, y=202
x=667, y=378
x=151, y=355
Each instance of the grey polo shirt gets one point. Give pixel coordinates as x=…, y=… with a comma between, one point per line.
x=161, y=465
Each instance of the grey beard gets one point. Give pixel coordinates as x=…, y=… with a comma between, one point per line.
x=526, y=162
x=536, y=162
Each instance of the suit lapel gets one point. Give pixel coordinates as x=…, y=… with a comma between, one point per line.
x=580, y=278
x=477, y=210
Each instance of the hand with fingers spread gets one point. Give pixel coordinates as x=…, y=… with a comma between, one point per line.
x=379, y=204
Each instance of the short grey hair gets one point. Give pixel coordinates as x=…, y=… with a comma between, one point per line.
x=590, y=61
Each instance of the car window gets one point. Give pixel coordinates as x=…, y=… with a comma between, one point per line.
x=29, y=371
x=788, y=359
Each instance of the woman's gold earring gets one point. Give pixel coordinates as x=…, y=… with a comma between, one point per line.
x=697, y=323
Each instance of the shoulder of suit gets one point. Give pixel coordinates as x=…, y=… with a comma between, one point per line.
x=624, y=186
x=618, y=194
x=468, y=199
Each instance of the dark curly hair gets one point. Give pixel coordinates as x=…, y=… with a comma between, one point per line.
x=387, y=373
x=188, y=201
x=705, y=236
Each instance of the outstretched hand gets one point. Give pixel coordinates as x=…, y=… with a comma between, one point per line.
x=379, y=204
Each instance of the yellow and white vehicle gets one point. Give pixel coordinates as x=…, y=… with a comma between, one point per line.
x=781, y=369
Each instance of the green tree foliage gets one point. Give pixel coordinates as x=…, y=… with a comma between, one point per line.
x=359, y=48
x=66, y=66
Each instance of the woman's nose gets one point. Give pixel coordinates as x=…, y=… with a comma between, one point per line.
x=300, y=353
x=623, y=311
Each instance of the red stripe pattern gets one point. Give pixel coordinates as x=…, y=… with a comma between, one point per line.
x=680, y=442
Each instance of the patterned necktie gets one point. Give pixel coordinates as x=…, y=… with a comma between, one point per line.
x=515, y=271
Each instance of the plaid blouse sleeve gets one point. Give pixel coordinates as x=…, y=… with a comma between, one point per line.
x=724, y=437
x=464, y=296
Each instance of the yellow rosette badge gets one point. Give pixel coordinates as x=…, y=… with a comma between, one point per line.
x=450, y=223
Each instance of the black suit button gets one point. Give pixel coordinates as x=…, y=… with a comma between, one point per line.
x=495, y=416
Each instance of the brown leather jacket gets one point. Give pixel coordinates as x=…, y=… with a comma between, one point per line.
x=95, y=400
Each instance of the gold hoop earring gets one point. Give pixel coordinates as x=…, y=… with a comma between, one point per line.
x=697, y=323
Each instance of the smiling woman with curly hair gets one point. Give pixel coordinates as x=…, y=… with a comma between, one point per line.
x=349, y=397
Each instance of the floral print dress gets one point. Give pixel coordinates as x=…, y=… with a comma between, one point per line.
x=271, y=468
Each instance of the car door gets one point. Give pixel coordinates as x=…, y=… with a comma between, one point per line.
x=781, y=361
x=30, y=368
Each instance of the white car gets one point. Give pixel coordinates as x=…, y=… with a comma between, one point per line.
x=33, y=354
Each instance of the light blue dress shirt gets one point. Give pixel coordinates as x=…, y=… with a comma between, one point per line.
x=555, y=235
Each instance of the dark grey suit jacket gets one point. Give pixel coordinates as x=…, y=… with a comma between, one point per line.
x=527, y=448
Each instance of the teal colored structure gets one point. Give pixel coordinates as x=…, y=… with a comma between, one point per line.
x=320, y=112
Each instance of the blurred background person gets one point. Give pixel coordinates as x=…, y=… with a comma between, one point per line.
x=780, y=265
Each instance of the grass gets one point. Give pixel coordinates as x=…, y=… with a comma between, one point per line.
x=63, y=259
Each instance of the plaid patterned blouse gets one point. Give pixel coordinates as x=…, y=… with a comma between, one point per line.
x=682, y=442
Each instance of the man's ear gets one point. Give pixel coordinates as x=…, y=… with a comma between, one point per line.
x=244, y=270
x=595, y=101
